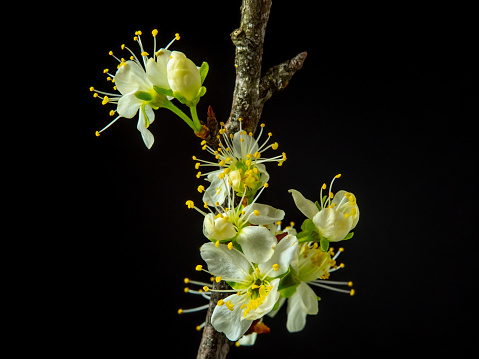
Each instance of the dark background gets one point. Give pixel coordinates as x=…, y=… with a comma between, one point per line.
x=385, y=97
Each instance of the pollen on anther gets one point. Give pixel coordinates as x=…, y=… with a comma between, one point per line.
x=275, y=267
x=177, y=36
x=186, y=280
x=199, y=267
x=230, y=246
x=205, y=288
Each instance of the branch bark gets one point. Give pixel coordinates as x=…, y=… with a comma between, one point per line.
x=250, y=93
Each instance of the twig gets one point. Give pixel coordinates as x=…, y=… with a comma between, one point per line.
x=250, y=94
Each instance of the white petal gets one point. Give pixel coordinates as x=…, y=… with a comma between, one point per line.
x=248, y=146
x=267, y=214
x=248, y=340
x=145, y=133
x=308, y=298
x=156, y=71
x=131, y=77
x=257, y=243
x=128, y=105
x=273, y=313
x=229, y=264
x=216, y=191
x=268, y=304
x=296, y=314
x=332, y=224
x=218, y=229
x=230, y=322
x=283, y=254
x=307, y=207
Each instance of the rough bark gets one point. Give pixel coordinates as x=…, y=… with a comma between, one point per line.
x=250, y=93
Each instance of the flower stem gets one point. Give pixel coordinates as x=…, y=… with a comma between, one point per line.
x=183, y=116
x=196, y=120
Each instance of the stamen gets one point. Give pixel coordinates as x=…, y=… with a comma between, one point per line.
x=191, y=310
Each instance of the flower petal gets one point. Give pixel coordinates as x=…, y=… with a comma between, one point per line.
x=230, y=322
x=257, y=243
x=268, y=304
x=301, y=303
x=145, y=133
x=267, y=214
x=332, y=224
x=156, y=70
x=307, y=207
x=229, y=264
x=217, y=229
x=128, y=105
x=248, y=146
x=131, y=77
x=283, y=254
x=217, y=190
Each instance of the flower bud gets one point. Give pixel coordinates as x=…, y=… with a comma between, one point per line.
x=183, y=76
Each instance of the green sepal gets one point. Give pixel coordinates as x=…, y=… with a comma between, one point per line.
x=162, y=91
x=147, y=120
x=180, y=97
x=276, y=306
x=318, y=205
x=309, y=232
x=204, y=71
x=289, y=283
x=349, y=236
x=324, y=243
x=144, y=96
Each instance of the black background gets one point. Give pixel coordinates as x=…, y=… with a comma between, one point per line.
x=385, y=97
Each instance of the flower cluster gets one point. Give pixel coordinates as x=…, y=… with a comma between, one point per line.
x=264, y=265
x=149, y=82
x=258, y=265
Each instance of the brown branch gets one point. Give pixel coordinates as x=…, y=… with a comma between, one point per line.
x=250, y=93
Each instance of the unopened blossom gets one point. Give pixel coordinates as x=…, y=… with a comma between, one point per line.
x=255, y=286
x=241, y=161
x=334, y=217
x=246, y=226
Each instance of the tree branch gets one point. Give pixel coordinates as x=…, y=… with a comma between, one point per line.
x=250, y=93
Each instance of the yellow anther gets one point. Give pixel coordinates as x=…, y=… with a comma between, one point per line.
x=154, y=32
x=105, y=71
x=229, y=305
x=198, y=175
x=186, y=290
x=230, y=246
x=144, y=53
x=204, y=147
x=257, y=154
x=201, y=188
x=112, y=113
x=323, y=186
x=279, y=223
x=180, y=311
x=341, y=249
x=338, y=175
x=242, y=140
x=122, y=46
x=254, y=286
x=350, y=284
x=218, y=279
x=240, y=119
x=186, y=280
x=222, y=163
x=190, y=204
x=256, y=212
x=270, y=134
x=250, y=134
x=217, y=203
x=227, y=170
x=220, y=303
x=177, y=36
x=331, y=195
x=262, y=125
x=198, y=327
x=351, y=293
x=266, y=185
x=346, y=215
x=135, y=38
x=342, y=265
x=97, y=134
x=205, y=288
x=197, y=165
x=205, y=204
x=275, y=267
x=110, y=53
x=217, y=244
x=257, y=270
x=274, y=146
x=92, y=88
x=105, y=100
x=199, y=267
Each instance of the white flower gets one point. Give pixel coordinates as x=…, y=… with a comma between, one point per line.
x=183, y=76
x=135, y=81
x=240, y=161
x=255, y=286
x=335, y=217
x=243, y=225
